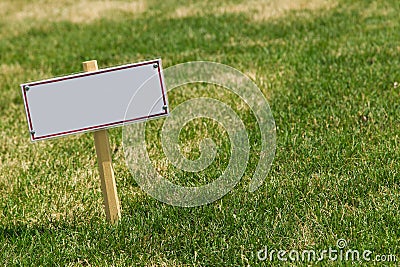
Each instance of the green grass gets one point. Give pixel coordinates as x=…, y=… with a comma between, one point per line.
x=328, y=75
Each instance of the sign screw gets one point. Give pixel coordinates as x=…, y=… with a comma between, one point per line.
x=165, y=107
x=32, y=132
x=26, y=87
x=155, y=65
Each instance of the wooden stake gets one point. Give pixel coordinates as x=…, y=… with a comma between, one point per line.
x=108, y=184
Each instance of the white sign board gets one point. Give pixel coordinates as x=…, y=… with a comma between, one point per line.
x=95, y=100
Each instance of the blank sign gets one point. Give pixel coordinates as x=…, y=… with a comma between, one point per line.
x=95, y=100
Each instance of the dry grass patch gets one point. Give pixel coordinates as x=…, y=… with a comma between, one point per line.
x=12, y=69
x=73, y=11
x=378, y=9
x=258, y=10
x=21, y=16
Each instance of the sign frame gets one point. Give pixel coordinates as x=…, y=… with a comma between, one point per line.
x=155, y=64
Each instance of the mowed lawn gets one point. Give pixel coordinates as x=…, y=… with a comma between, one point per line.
x=330, y=70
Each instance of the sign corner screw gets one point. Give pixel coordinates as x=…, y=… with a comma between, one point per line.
x=155, y=65
x=26, y=87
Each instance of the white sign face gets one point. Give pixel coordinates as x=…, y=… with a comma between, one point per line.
x=95, y=100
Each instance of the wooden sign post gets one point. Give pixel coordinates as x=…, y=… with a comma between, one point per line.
x=104, y=160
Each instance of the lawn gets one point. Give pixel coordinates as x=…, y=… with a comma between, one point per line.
x=330, y=72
